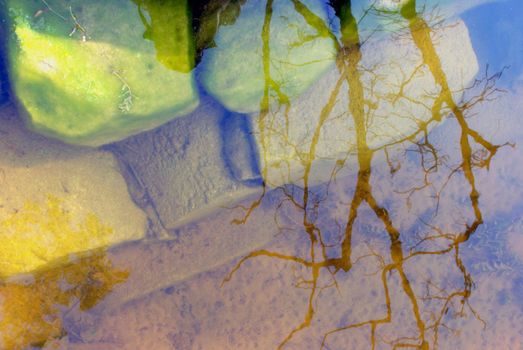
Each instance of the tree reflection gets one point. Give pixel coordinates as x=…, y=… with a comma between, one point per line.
x=475, y=152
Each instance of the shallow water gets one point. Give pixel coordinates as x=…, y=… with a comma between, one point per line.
x=373, y=201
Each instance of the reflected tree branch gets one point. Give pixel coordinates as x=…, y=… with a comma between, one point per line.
x=432, y=163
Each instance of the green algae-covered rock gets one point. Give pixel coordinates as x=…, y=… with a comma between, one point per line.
x=280, y=47
x=93, y=72
x=209, y=16
x=170, y=29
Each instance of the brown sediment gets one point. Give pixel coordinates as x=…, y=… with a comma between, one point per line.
x=32, y=305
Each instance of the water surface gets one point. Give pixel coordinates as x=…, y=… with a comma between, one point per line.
x=375, y=206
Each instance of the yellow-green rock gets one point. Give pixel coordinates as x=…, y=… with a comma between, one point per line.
x=93, y=72
x=57, y=200
x=171, y=31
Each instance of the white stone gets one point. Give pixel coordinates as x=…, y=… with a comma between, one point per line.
x=284, y=138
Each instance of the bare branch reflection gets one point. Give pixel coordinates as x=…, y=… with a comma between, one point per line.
x=431, y=310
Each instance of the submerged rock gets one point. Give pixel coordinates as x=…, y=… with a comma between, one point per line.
x=190, y=166
x=378, y=17
x=209, y=15
x=199, y=246
x=277, y=47
x=84, y=73
x=316, y=134
x=57, y=200
x=170, y=30
x=193, y=165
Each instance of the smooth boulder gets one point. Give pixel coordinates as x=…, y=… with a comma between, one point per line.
x=268, y=54
x=317, y=134
x=95, y=72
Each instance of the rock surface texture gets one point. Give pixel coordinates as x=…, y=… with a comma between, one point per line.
x=190, y=166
